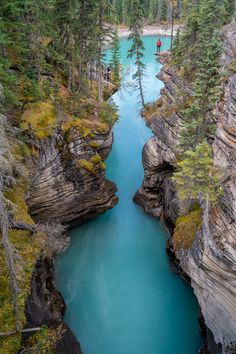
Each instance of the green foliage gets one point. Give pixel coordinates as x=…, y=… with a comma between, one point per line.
x=196, y=176
x=39, y=118
x=229, y=8
x=198, y=52
x=186, y=228
x=108, y=113
x=153, y=8
x=93, y=165
x=176, y=50
x=163, y=10
x=115, y=58
x=28, y=249
x=137, y=46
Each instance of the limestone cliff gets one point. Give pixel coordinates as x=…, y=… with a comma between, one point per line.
x=211, y=261
x=70, y=185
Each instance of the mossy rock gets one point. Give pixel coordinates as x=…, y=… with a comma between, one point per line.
x=186, y=228
x=94, y=144
x=98, y=162
x=28, y=249
x=86, y=165
x=39, y=118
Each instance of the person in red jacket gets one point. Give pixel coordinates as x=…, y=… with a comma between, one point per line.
x=159, y=45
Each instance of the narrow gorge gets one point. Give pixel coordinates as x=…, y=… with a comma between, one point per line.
x=115, y=277
x=207, y=257
x=117, y=177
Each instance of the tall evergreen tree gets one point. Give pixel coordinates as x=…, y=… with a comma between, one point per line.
x=194, y=181
x=115, y=57
x=152, y=13
x=197, y=178
x=118, y=10
x=103, y=9
x=137, y=47
x=66, y=14
x=163, y=10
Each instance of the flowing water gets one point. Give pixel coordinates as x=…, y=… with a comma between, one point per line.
x=120, y=291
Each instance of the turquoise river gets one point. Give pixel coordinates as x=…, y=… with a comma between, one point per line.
x=121, y=294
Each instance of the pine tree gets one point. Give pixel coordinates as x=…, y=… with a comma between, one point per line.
x=86, y=43
x=176, y=50
x=118, y=10
x=137, y=47
x=115, y=58
x=163, y=10
x=102, y=13
x=66, y=15
x=37, y=28
x=153, y=8
x=229, y=8
x=126, y=6
x=196, y=177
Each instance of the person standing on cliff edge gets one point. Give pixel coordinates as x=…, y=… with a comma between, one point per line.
x=159, y=45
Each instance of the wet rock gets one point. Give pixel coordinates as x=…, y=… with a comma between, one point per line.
x=45, y=306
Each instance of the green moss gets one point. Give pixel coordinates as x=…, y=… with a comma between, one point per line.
x=186, y=228
x=86, y=132
x=103, y=128
x=94, y=144
x=28, y=249
x=39, y=118
x=98, y=162
x=86, y=165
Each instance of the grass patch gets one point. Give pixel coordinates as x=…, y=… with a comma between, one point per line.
x=39, y=118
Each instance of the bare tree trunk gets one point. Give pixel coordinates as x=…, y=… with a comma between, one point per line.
x=140, y=81
x=172, y=27
x=100, y=73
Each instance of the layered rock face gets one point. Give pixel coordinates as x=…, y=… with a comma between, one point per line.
x=157, y=193
x=45, y=306
x=67, y=191
x=211, y=261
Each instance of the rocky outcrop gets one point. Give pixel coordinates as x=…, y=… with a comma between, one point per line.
x=65, y=190
x=157, y=194
x=45, y=306
x=211, y=261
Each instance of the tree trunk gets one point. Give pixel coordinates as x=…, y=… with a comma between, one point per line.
x=140, y=81
x=100, y=95
x=172, y=28
x=10, y=261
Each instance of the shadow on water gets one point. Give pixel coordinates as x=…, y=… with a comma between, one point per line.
x=121, y=294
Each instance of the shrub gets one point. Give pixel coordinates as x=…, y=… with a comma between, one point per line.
x=186, y=228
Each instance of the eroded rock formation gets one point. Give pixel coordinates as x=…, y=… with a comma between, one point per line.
x=211, y=261
x=45, y=306
x=62, y=189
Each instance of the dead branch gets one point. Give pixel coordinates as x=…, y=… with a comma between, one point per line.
x=26, y=330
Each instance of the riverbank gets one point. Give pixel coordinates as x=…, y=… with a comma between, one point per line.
x=150, y=30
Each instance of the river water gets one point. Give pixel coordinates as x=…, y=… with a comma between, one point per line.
x=120, y=291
